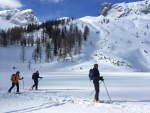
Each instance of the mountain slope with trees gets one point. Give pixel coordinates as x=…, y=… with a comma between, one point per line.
x=116, y=43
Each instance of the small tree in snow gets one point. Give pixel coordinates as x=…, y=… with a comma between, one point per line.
x=22, y=55
x=35, y=55
x=86, y=32
x=29, y=64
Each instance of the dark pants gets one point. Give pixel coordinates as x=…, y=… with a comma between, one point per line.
x=35, y=84
x=13, y=84
x=96, y=86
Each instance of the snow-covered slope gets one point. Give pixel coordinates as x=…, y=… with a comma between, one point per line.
x=116, y=43
x=10, y=18
x=121, y=42
x=121, y=38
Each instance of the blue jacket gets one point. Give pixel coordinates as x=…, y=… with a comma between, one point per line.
x=36, y=76
x=96, y=74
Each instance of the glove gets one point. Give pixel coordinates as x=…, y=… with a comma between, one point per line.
x=90, y=80
x=101, y=78
x=22, y=77
x=41, y=77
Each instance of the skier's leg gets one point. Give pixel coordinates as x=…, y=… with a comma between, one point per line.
x=96, y=86
x=13, y=84
x=97, y=91
x=17, y=84
x=36, y=85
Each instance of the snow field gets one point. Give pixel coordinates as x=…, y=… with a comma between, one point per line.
x=66, y=92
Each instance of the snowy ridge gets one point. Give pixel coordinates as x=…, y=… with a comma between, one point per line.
x=121, y=10
x=118, y=41
x=129, y=50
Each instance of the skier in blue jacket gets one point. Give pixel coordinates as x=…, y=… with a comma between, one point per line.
x=96, y=76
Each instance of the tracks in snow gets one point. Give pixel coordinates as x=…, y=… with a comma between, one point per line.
x=34, y=101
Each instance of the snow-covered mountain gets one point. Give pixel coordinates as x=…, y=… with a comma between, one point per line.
x=118, y=41
x=15, y=17
x=126, y=9
x=121, y=37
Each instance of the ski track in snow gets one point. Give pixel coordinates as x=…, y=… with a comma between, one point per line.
x=39, y=101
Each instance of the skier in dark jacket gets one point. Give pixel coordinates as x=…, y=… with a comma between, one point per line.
x=96, y=76
x=35, y=78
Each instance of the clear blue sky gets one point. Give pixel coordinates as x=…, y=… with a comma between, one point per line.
x=52, y=9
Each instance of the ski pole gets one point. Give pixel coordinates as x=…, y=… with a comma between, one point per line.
x=94, y=89
x=40, y=79
x=23, y=84
x=107, y=92
x=92, y=92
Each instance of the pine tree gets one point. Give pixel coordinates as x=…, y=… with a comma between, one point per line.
x=31, y=38
x=86, y=33
x=22, y=55
x=79, y=42
x=34, y=55
x=29, y=64
x=3, y=38
x=40, y=53
x=64, y=48
x=48, y=53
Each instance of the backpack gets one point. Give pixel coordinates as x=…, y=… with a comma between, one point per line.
x=33, y=75
x=91, y=74
x=12, y=77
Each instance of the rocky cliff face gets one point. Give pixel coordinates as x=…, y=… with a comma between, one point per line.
x=19, y=17
x=105, y=7
x=124, y=9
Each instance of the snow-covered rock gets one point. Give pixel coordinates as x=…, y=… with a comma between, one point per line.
x=17, y=17
x=120, y=10
x=104, y=8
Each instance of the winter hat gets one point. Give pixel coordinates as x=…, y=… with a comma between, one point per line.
x=17, y=72
x=95, y=65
